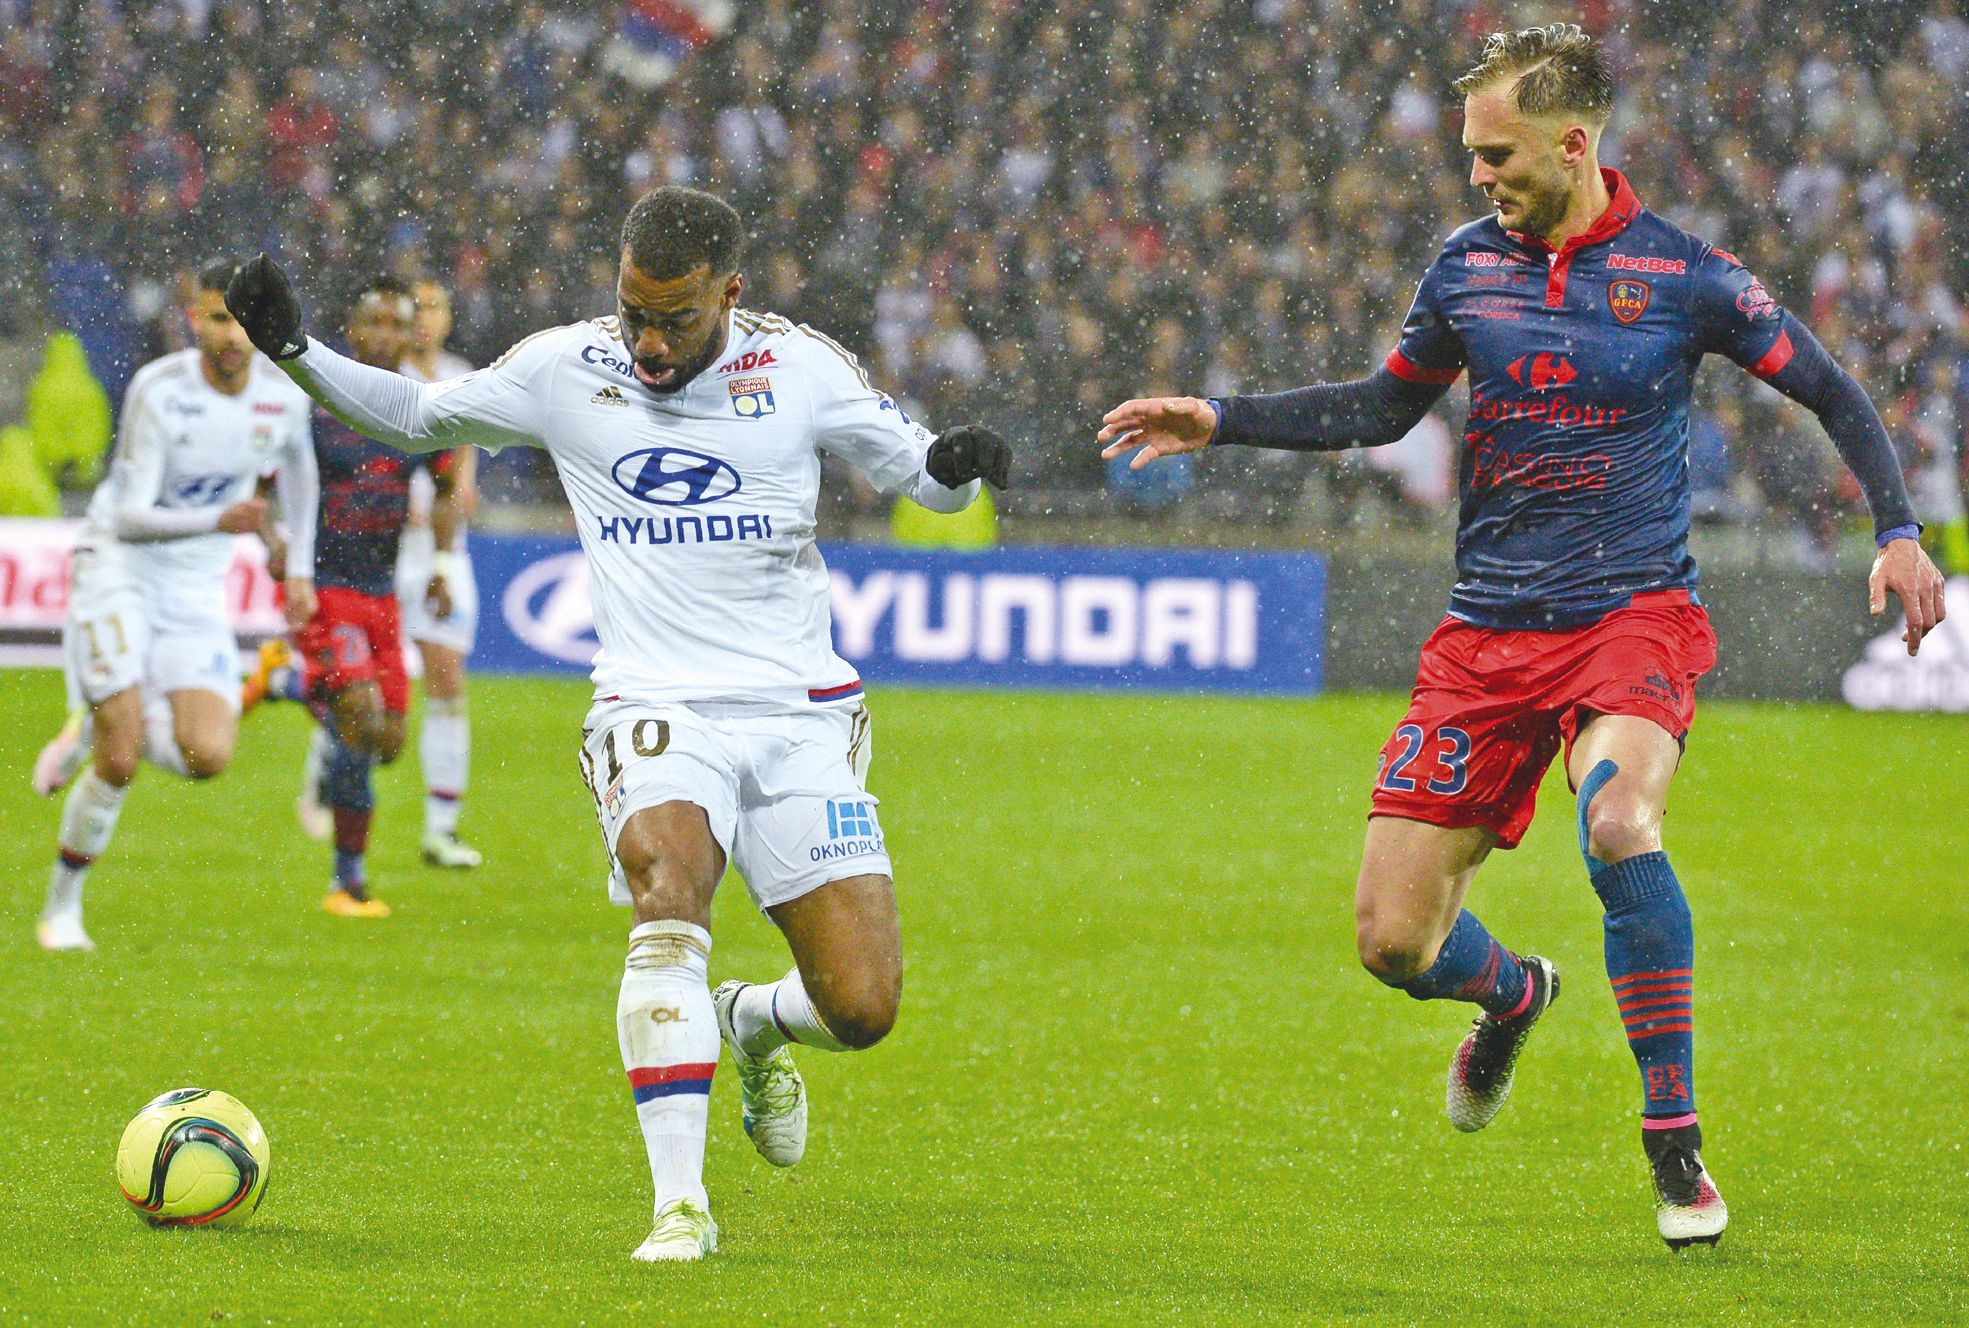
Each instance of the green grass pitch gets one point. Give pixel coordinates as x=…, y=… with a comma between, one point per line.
x=1139, y=1076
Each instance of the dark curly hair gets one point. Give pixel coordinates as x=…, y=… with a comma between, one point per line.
x=673, y=231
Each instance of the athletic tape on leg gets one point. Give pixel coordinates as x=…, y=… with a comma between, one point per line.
x=1589, y=788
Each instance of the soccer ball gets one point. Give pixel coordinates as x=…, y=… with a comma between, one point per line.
x=193, y=1158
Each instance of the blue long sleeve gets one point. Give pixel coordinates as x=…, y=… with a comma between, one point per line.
x=1814, y=380
x=1327, y=417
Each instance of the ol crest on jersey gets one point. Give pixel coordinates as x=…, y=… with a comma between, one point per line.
x=751, y=397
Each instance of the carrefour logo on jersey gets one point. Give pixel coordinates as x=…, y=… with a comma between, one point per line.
x=675, y=477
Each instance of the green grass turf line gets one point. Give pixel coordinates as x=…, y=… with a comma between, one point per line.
x=1139, y=1076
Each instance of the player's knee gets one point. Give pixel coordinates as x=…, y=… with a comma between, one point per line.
x=1620, y=825
x=116, y=765
x=1392, y=956
x=205, y=759
x=862, y=1014
x=662, y=884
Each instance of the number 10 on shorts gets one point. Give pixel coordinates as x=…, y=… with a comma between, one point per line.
x=1450, y=749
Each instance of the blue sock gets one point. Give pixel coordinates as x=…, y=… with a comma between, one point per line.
x=1651, y=960
x=1651, y=948
x=1472, y=966
x=347, y=790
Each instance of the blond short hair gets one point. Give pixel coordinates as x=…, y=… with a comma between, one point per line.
x=1558, y=68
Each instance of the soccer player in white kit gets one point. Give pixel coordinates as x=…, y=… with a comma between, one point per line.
x=147, y=642
x=445, y=638
x=688, y=435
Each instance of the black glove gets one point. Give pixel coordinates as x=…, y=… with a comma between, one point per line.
x=969, y=452
x=263, y=300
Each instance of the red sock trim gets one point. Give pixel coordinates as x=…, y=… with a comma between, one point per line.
x=1524, y=1001
x=351, y=830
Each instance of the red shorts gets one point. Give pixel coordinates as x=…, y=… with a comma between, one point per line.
x=354, y=638
x=1491, y=708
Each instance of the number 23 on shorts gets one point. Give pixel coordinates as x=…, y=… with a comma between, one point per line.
x=1446, y=773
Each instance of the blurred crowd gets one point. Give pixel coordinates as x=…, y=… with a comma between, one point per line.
x=1018, y=213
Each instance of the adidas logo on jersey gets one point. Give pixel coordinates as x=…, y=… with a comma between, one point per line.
x=610, y=396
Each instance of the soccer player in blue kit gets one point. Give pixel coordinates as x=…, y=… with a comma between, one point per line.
x=1580, y=317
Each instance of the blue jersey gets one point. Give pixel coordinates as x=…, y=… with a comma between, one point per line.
x=1575, y=477
x=365, y=499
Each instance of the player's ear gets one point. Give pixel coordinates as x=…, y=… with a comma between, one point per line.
x=1575, y=140
x=734, y=287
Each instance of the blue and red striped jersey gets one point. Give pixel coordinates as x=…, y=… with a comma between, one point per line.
x=365, y=499
x=1574, y=476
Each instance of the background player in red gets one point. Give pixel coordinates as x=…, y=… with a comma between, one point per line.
x=351, y=647
x=1581, y=318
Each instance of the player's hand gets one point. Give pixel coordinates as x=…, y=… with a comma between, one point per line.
x=299, y=591
x=263, y=301
x=437, y=597
x=277, y=558
x=244, y=517
x=1905, y=568
x=969, y=452
x=1159, y=427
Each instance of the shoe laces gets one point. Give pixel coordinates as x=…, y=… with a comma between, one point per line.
x=772, y=1086
x=682, y=1218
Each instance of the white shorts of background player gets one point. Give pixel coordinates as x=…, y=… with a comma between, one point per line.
x=123, y=631
x=783, y=789
x=460, y=630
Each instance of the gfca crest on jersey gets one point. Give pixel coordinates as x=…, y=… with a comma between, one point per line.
x=751, y=397
x=1627, y=299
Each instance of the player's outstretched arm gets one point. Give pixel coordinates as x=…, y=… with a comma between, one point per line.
x=1814, y=379
x=488, y=408
x=1325, y=417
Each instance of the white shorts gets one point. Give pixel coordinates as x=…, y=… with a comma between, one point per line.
x=119, y=634
x=783, y=789
x=460, y=629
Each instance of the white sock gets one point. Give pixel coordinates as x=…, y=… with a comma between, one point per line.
x=445, y=748
x=88, y=819
x=668, y=1032
x=773, y=1014
x=161, y=737
x=314, y=765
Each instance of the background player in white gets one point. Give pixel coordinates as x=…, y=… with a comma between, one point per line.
x=687, y=433
x=443, y=638
x=148, y=643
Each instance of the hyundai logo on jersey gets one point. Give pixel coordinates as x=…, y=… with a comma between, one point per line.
x=675, y=476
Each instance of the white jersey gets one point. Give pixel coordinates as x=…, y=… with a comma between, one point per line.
x=185, y=452
x=695, y=508
x=423, y=489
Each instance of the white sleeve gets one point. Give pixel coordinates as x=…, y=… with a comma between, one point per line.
x=501, y=406
x=137, y=516
x=299, y=485
x=868, y=430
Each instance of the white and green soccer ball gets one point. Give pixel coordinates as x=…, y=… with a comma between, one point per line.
x=194, y=1158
